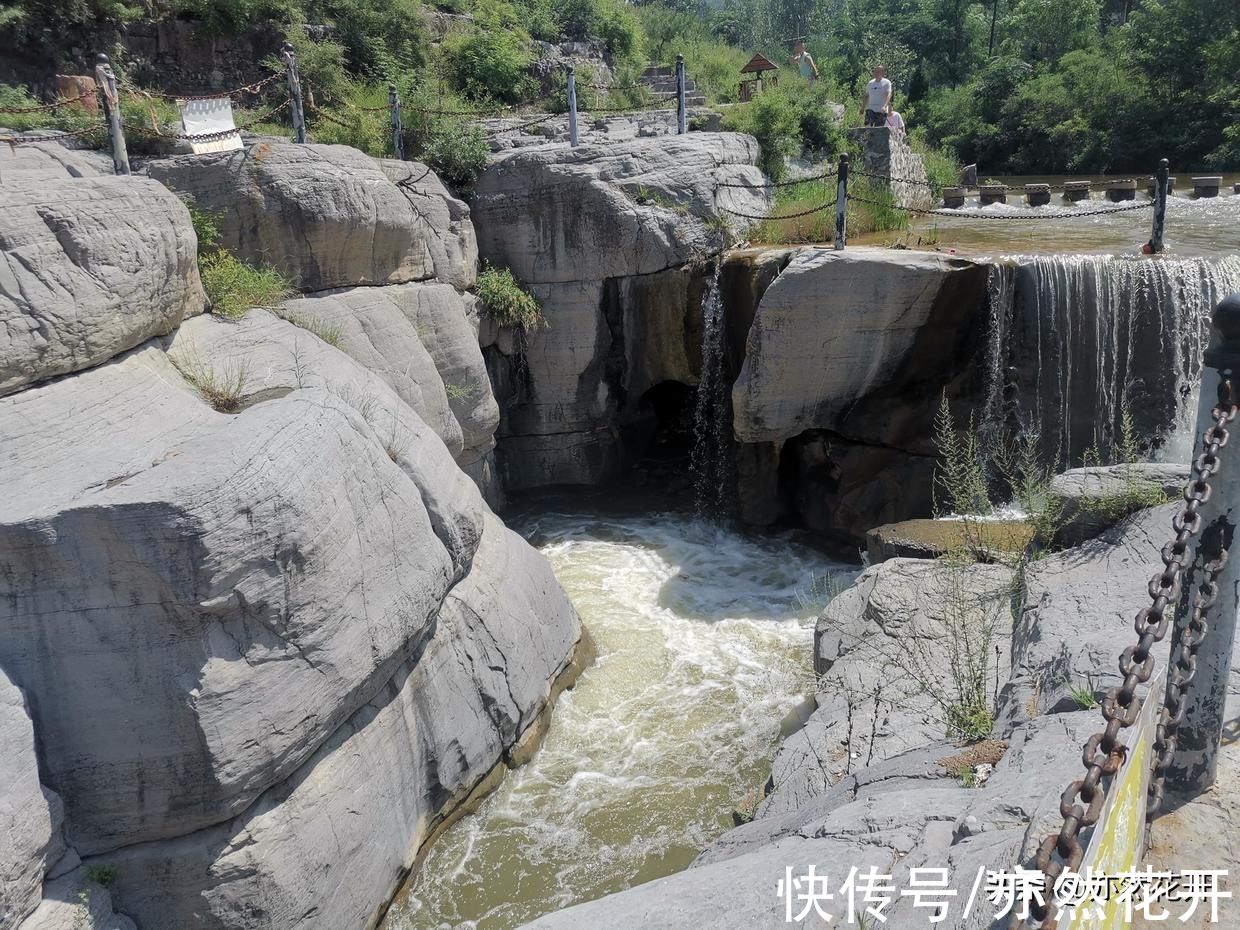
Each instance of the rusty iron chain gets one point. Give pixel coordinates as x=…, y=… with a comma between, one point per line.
x=218, y=95
x=209, y=136
x=54, y=105
x=1104, y=753
x=791, y=183
x=1005, y=217
x=1190, y=631
x=14, y=141
x=788, y=216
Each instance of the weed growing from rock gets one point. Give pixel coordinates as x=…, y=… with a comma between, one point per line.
x=232, y=286
x=505, y=301
x=222, y=386
x=330, y=333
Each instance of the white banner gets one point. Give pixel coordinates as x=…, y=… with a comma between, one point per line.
x=202, y=117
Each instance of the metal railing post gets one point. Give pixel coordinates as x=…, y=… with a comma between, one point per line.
x=680, y=95
x=841, y=205
x=294, y=90
x=572, y=107
x=398, y=131
x=1193, y=765
x=1160, y=205
x=112, y=111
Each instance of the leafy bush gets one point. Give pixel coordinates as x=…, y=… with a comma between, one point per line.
x=960, y=480
x=491, y=63
x=771, y=119
x=501, y=297
x=379, y=37
x=233, y=287
x=457, y=150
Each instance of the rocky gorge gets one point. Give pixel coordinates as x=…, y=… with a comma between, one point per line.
x=266, y=634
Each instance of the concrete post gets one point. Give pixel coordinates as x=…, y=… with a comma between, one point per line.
x=572, y=107
x=680, y=95
x=294, y=90
x=1160, y=205
x=112, y=111
x=841, y=205
x=1192, y=769
x=398, y=131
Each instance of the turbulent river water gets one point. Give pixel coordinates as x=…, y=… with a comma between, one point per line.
x=704, y=642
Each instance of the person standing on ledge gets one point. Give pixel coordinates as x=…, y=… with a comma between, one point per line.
x=877, y=99
x=804, y=62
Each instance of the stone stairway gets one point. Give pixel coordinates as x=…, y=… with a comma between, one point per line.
x=661, y=79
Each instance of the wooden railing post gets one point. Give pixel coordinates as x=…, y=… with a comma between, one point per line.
x=572, y=107
x=680, y=95
x=1160, y=205
x=398, y=131
x=841, y=205
x=106, y=80
x=294, y=91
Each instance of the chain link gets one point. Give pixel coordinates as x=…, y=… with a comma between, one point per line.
x=208, y=136
x=332, y=98
x=57, y=137
x=789, y=216
x=1104, y=753
x=792, y=183
x=1005, y=217
x=55, y=105
x=219, y=95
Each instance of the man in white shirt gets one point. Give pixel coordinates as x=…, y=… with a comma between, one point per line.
x=877, y=98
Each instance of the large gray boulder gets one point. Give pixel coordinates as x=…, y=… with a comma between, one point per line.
x=420, y=339
x=51, y=160
x=897, y=656
x=328, y=215
x=1097, y=497
x=1078, y=614
x=252, y=578
x=846, y=361
x=610, y=239
x=328, y=846
x=30, y=816
x=89, y=267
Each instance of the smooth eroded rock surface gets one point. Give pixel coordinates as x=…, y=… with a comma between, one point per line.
x=606, y=238
x=328, y=215
x=89, y=267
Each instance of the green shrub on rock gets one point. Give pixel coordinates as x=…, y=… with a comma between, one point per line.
x=505, y=301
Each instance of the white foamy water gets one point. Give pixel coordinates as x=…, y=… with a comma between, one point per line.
x=704, y=647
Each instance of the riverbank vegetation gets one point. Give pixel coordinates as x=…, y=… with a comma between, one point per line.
x=1017, y=86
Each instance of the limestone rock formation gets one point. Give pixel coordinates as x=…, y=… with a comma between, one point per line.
x=29, y=817
x=49, y=160
x=233, y=621
x=90, y=267
x=886, y=153
x=1079, y=604
x=419, y=338
x=602, y=235
x=846, y=359
x=1095, y=498
x=327, y=215
x=901, y=658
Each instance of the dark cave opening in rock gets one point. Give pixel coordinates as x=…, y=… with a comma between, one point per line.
x=661, y=431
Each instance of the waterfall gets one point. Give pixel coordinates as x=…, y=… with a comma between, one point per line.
x=711, y=461
x=1076, y=340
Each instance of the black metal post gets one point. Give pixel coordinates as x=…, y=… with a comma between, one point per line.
x=841, y=205
x=294, y=90
x=112, y=111
x=1193, y=766
x=398, y=131
x=572, y=107
x=680, y=95
x=1160, y=205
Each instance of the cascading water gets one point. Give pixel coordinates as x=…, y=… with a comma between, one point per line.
x=704, y=641
x=1077, y=340
x=711, y=460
